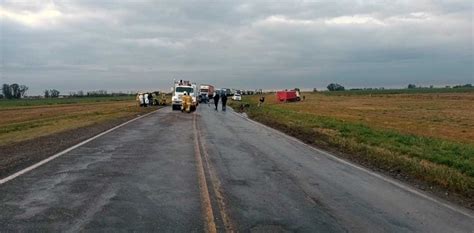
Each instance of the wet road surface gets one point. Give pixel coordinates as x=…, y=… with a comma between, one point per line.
x=213, y=172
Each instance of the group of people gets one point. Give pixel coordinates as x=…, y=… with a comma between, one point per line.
x=223, y=99
x=145, y=99
x=150, y=99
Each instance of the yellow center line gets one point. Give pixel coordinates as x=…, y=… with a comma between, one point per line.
x=216, y=186
x=209, y=223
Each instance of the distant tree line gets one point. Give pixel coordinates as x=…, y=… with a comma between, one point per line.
x=413, y=86
x=464, y=86
x=367, y=89
x=13, y=91
x=98, y=93
x=339, y=87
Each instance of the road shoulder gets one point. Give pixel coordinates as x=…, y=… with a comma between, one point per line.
x=17, y=156
x=416, y=184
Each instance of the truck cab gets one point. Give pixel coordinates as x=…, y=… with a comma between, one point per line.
x=178, y=91
x=206, y=92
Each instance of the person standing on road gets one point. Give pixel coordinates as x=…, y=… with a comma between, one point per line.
x=216, y=99
x=187, y=100
x=224, y=101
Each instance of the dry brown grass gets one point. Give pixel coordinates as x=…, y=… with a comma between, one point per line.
x=446, y=115
x=424, y=137
x=19, y=124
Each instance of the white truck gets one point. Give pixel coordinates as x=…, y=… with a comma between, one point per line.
x=206, y=92
x=180, y=87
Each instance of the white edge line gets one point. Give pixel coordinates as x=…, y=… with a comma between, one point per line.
x=387, y=179
x=42, y=162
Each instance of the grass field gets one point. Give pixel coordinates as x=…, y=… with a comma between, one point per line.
x=16, y=103
x=427, y=136
x=27, y=119
x=401, y=91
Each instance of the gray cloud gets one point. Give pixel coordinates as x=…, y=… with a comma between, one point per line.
x=140, y=45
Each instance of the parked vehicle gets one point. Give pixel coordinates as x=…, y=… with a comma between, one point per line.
x=237, y=97
x=288, y=95
x=159, y=98
x=206, y=92
x=145, y=99
x=226, y=91
x=178, y=91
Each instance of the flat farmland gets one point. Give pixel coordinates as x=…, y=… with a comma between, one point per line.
x=426, y=137
x=447, y=116
x=35, y=118
x=31, y=130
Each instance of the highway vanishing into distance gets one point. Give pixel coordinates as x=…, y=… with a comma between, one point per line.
x=213, y=172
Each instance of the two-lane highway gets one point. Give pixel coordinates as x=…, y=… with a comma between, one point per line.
x=141, y=177
x=213, y=172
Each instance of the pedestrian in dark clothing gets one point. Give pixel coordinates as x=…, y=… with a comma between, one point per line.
x=216, y=99
x=224, y=101
x=260, y=102
x=150, y=99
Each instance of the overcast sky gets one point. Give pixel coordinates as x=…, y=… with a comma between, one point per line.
x=139, y=45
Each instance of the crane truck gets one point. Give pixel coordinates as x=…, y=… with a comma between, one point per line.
x=179, y=88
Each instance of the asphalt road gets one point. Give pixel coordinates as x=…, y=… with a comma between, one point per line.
x=213, y=172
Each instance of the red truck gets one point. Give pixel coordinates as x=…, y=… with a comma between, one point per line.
x=206, y=91
x=288, y=96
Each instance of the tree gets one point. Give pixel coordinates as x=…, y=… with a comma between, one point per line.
x=54, y=93
x=411, y=86
x=7, y=91
x=23, y=90
x=15, y=89
x=46, y=94
x=335, y=87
